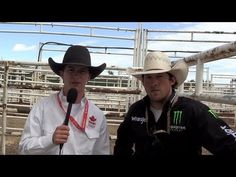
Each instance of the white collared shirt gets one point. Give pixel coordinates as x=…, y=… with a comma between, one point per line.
x=46, y=115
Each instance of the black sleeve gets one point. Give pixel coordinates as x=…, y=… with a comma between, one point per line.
x=124, y=144
x=215, y=134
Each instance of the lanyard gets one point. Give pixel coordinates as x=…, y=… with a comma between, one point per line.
x=72, y=119
x=172, y=102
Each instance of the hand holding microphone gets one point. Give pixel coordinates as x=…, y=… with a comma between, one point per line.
x=71, y=98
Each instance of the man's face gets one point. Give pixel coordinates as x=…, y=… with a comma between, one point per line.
x=75, y=76
x=158, y=86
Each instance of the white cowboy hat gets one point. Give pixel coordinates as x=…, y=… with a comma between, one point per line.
x=158, y=62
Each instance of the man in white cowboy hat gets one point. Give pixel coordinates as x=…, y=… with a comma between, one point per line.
x=86, y=133
x=164, y=124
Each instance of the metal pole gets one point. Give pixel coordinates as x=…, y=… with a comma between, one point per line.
x=4, y=106
x=223, y=51
x=199, y=78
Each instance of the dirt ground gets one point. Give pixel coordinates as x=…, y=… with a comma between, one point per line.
x=11, y=145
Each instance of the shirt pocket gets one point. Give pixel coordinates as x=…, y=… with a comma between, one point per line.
x=87, y=144
x=92, y=134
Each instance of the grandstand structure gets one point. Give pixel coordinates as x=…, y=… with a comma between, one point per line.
x=23, y=83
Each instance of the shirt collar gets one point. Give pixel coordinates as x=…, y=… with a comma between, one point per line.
x=64, y=99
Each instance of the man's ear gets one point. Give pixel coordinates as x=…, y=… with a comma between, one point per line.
x=173, y=80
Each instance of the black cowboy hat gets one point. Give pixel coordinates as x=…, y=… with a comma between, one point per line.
x=77, y=55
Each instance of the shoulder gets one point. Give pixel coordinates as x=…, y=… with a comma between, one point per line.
x=138, y=104
x=137, y=108
x=95, y=108
x=46, y=100
x=190, y=102
x=193, y=108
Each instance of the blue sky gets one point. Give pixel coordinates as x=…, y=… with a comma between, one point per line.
x=25, y=47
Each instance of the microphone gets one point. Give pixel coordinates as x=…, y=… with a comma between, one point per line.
x=71, y=98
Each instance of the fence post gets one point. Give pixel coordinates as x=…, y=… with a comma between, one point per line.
x=4, y=107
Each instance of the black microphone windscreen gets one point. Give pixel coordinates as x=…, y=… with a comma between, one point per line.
x=72, y=95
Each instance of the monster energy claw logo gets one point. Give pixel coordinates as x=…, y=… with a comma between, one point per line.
x=177, y=117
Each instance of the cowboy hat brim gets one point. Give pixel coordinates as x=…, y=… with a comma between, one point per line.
x=179, y=71
x=94, y=70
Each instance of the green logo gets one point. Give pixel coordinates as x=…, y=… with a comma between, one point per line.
x=177, y=117
x=213, y=113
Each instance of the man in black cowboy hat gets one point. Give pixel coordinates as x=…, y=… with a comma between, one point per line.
x=87, y=132
x=165, y=124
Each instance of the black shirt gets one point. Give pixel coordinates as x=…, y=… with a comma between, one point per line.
x=182, y=129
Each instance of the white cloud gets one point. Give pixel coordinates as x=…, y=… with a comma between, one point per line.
x=23, y=47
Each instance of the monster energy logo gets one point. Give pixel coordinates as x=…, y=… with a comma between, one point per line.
x=177, y=117
x=213, y=113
